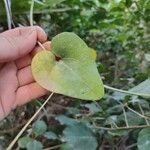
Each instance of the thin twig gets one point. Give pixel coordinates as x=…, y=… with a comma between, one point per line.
x=31, y=13
x=54, y=147
x=125, y=116
x=131, y=146
x=41, y=45
x=8, y=13
x=141, y=109
x=31, y=21
x=142, y=116
x=27, y=124
x=122, y=128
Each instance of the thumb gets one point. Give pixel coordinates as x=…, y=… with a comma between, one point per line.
x=19, y=42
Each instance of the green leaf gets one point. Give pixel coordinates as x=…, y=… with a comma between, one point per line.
x=54, y=2
x=93, y=108
x=133, y=119
x=128, y=3
x=143, y=88
x=34, y=145
x=115, y=109
x=93, y=53
x=66, y=147
x=144, y=139
x=39, y=127
x=79, y=137
x=75, y=73
x=73, y=110
x=50, y=135
x=22, y=142
x=65, y=120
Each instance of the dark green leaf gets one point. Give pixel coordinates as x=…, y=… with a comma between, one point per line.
x=65, y=120
x=50, y=135
x=22, y=142
x=93, y=108
x=128, y=3
x=144, y=139
x=34, y=145
x=133, y=119
x=74, y=111
x=39, y=127
x=79, y=137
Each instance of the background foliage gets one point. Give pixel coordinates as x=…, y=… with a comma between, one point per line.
x=119, y=32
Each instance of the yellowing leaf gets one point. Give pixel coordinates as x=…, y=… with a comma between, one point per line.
x=73, y=74
x=93, y=54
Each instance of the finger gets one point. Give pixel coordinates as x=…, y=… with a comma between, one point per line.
x=24, y=76
x=41, y=35
x=19, y=42
x=1, y=65
x=28, y=92
x=22, y=31
x=8, y=85
x=46, y=45
x=23, y=62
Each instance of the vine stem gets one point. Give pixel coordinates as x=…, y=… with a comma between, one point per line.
x=142, y=111
x=54, y=147
x=126, y=92
x=141, y=115
x=8, y=13
x=125, y=116
x=122, y=128
x=41, y=45
x=26, y=125
x=31, y=12
x=31, y=21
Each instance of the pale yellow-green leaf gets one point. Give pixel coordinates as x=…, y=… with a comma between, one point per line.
x=93, y=53
x=74, y=74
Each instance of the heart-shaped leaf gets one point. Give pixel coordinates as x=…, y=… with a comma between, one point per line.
x=78, y=137
x=68, y=69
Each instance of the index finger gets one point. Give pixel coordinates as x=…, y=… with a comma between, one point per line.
x=18, y=42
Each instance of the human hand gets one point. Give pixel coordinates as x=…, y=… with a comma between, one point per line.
x=17, y=86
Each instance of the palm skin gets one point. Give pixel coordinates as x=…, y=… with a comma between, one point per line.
x=17, y=86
